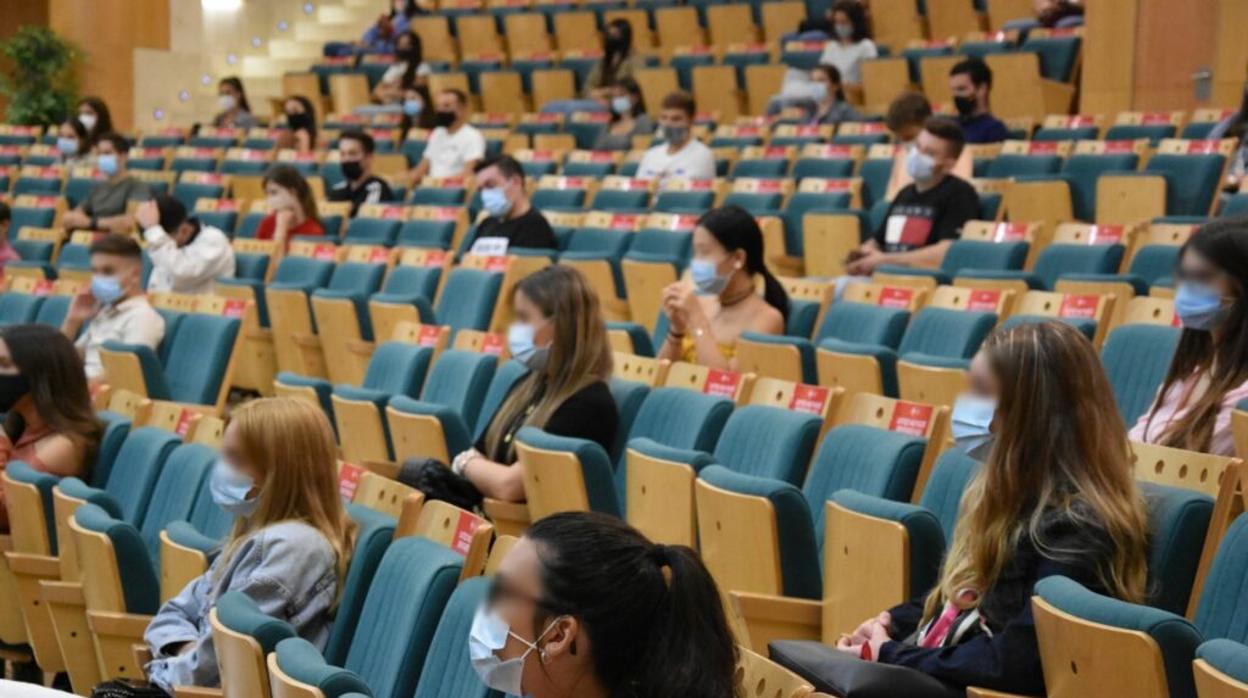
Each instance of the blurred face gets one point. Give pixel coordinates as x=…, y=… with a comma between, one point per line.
x=127, y=271
x=707, y=247
x=403, y=44
x=909, y=132
x=676, y=124
x=226, y=89
x=960, y=86
x=525, y=311
x=232, y=452
x=842, y=25
x=492, y=178
x=938, y=150
x=982, y=382
x=1196, y=268
x=293, y=106
x=14, y=388
x=87, y=110
x=280, y=197
x=7, y=367
x=448, y=102
x=350, y=150
x=66, y=131
x=106, y=148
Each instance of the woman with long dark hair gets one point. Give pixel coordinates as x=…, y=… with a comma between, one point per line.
x=409, y=68
x=291, y=207
x=628, y=117
x=1234, y=126
x=235, y=109
x=49, y=423
x=851, y=43
x=1209, y=372
x=705, y=318
x=301, y=124
x=418, y=110
x=94, y=115
x=620, y=60
x=585, y=606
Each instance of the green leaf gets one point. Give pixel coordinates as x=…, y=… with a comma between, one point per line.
x=40, y=84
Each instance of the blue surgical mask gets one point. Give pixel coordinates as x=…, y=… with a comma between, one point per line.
x=523, y=346
x=971, y=424
x=844, y=31
x=229, y=489
x=494, y=200
x=1199, y=306
x=818, y=91
x=67, y=146
x=107, y=164
x=106, y=289
x=622, y=105
x=488, y=635
x=706, y=277
x=413, y=107
x=919, y=166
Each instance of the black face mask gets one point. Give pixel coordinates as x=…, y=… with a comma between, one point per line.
x=352, y=169
x=407, y=55
x=444, y=119
x=299, y=121
x=12, y=388
x=966, y=106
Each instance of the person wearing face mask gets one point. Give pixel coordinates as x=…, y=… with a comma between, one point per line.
x=104, y=207
x=94, y=116
x=113, y=306
x=73, y=146
x=584, y=605
x=49, y=423
x=418, y=111
x=512, y=221
x=1235, y=125
x=186, y=255
x=409, y=68
x=970, y=83
x=359, y=185
x=1209, y=372
x=628, y=117
x=927, y=215
x=455, y=146
x=558, y=333
x=382, y=36
x=706, y=317
x=301, y=125
x=290, y=546
x=827, y=103
x=291, y=206
x=851, y=42
x=680, y=155
x=233, y=109
x=619, y=60
x=1056, y=495
x=905, y=118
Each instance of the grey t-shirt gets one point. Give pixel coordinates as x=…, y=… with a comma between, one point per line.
x=110, y=198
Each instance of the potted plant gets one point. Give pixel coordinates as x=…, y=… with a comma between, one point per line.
x=39, y=83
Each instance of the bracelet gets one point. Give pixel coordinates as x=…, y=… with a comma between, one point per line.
x=461, y=461
x=673, y=335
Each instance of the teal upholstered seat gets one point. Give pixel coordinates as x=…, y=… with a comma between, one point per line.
x=140, y=584
x=453, y=393
x=20, y=471
x=1192, y=181
x=805, y=351
x=596, y=467
x=674, y=418
x=19, y=308
x=373, y=538
x=1057, y=260
x=116, y=429
x=1136, y=358
x=505, y=378
x=768, y=442
x=355, y=281
x=414, y=286
x=628, y=396
x=127, y=492
x=1227, y=656
x=1177, y=522
x=175, y=493
x=371, y=231
x=940, y=333
x=396, y=368
x=239, y=613
x=468, y=299
x=447, y=672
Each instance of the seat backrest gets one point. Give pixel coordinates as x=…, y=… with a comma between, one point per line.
x=1082, y=172
x=372, y=231
x=198, y=357
x=1059, y=259
x=535, y=448
x=682, y=419
x=864, y=324
x=468, y=299
x=304, y=270
x=173, y=497
x=1191, y=181
x=500, y=386
x=447, y=672
x=19, y=308
x=1178, y=519
x=1223, y=609
x=136, y=468
x=947, y=333
x=132, y=580
x=768, y=442
x=1151, y=262
x=418, y=280
x=942, y=495
x=237, y=620
x=978, y=254
x=864, y=459
x=400, y=614
x=357, y=277
x=373, y=537
x=116, y=429
x=459, y=380
x=628, y=396
x=398, y=368
x=53, y=310
x=1136, y=358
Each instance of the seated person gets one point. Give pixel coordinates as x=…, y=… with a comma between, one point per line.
x=1058, y=13
x=1233, y=126
x=705, y=318
x=970, y=82
x=1193, y=407
x=359, y=185
x=73, y=145
x=455, y=146
x=409, y=68
x=187, y=256
x=290, y=547
x=113, y=306
x=681, y=155
x=927, y=215
x=292, y=208
x=104, y=208
x=852, y=44
x=1055, y=496
x=7, y=251
x=513, y=222
x=559, y=334
x=616, y=612
x=382, y=35
x=620, y=60
x=418, y=111
x=905, y=118
x=232, y=100
x=628, y=117
x=301, y=122
x=94, y=115
x=49, y=422
x=827, y=105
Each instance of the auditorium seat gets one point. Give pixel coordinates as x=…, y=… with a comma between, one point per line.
x=468, y=298
x=1136, y=358
x=439, y=424
x=395, y=369
x=341, y=318
x=196, y=370
x=1192, y=178
x=243, y=636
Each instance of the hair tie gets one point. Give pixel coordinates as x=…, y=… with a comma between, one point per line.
x=661, y=556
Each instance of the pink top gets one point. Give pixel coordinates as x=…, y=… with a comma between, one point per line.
x=1173, y=406
x=7, y=254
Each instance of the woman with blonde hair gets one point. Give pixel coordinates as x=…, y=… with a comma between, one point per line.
x=290, y=546
x=559, y=334
x=1056, y=495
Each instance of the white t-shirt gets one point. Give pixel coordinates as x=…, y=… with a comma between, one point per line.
x=395, y=72
x=189, y=269
x=694, y=161
x=132, y=321
x=448, y=152
x=848, y=59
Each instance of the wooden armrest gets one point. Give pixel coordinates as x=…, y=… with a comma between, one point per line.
x=142, y=654
x=973, y=692
x=768, y=618
x=497, y=508
x=307, y=341
x=44, y=566
x=360, y=347
x=196, y=692
x=384, y=468
x=65, y=593
x=118, y=624
x=6, y=543
x=262, y=333
x=786, y=265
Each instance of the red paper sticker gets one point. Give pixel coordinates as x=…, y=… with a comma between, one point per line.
x=1119, y=147
x=464, y=530
x=835, y=152
x=392, y=212
x=324, y=252
x=805, y=130
x=227, y=205
x=601, y=156
x=983, y=300
x=1174, y=320
x=721, y=383
x=701, y=184
x=42, y=287
x=1078, y=306
x=809, y=398
x=492, y=344
x=496, y=263
x=775, y=152
x=428, y=336
x=1205, y=147
x=234, y=308
x=435, y=258
x=769, y=186
x=834, y=185
x=910, y=418
x=623, y=221
x=1080, y=120
x=1042, y=148
x=1105, y=234
x=1009, y=232
x=895, y=297
x=184, y=422
x=349, y=480
x=1155, y=118
x=444, y=213
x=379, y=255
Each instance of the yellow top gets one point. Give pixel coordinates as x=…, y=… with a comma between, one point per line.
x=689, y=352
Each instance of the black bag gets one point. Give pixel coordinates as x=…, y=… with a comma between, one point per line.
x=128, y=688
x=837, y=673
x=437, y=481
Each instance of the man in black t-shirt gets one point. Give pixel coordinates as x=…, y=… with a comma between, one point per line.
x=512, y=217
x=359, y=185
x=927, y=215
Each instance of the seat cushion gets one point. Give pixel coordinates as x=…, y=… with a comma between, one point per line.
x=1227, y=656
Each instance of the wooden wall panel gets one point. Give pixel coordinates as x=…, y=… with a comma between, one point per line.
x=1108, y=56
x=1230, y=63
x=1173, y=41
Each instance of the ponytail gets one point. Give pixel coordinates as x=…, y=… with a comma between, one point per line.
x=774, y=293
x=653, y=614
x=736, y=229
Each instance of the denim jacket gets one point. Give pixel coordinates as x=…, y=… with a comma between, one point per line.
x=288, y=568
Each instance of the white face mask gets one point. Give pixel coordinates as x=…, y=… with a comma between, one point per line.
x=87, y=120
x=488, y=635
x=226, y=102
